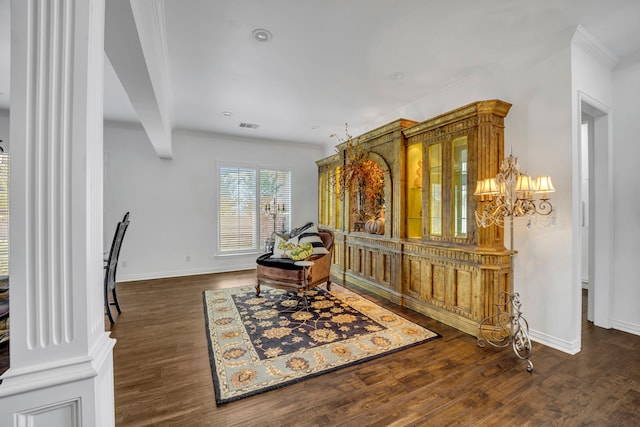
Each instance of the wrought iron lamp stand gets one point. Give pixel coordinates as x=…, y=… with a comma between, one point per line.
x=508, y=326
x=508, y=196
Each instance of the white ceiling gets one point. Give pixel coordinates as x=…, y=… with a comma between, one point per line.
x=333, y=61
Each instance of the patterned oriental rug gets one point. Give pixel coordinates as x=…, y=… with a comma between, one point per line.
x=261, y=343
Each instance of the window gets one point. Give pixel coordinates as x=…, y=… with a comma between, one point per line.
x=275, y=202
x=237, y=209
x=4, y=213
x=252, y=204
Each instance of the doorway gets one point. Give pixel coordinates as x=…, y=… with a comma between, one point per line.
x=586, y=147
x=595, y=214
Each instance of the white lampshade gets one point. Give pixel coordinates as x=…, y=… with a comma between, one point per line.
x=479, y=188
x=525, y=184
x=491, y=187
x=544, y=185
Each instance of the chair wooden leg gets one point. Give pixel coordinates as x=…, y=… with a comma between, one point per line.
x=258, y=290
x=329, y=284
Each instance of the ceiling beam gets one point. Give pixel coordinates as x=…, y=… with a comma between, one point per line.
x=135, y=43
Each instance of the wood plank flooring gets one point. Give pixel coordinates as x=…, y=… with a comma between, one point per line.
x=163, y=378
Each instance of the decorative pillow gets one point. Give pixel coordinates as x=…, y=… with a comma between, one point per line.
x=296, y=231
x=310, y=234
x=282, y=247
x=301, y=252
x=285, y=235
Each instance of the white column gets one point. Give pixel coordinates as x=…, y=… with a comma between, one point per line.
x=61, y=365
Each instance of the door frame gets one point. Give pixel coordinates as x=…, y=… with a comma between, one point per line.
x=600, y=213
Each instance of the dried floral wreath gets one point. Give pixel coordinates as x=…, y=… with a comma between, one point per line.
x=360, y=176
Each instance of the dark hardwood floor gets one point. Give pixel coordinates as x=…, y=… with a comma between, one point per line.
x=163, y=378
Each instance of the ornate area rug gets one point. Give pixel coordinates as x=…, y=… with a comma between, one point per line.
x=257, y=344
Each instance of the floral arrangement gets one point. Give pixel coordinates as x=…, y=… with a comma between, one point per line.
x=360, y=176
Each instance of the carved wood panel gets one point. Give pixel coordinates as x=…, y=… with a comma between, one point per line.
x=438, y=274
x=463, y=290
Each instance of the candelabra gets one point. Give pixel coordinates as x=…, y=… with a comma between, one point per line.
x=510, y=195
x=274, y=210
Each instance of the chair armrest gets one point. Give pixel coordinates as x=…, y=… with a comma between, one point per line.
x=322, y=266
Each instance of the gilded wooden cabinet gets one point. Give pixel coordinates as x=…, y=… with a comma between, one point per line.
x=432, y=256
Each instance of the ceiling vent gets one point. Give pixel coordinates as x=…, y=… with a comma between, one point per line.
x=249, y=125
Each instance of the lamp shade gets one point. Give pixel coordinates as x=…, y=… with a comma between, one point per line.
x=491, y=187
x=544, y=185
x=525, y=184
x=479, y=188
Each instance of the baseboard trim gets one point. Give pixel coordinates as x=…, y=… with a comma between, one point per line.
x=571, y=347
x=180, y=273
x=626, y=327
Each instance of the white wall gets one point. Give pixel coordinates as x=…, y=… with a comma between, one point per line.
x=172, y=202
x=626, y=249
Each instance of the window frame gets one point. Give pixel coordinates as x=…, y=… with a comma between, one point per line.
x=258, y=216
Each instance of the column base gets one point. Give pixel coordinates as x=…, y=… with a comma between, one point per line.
x=72, y=392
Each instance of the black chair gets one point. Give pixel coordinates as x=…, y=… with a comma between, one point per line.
x=4, y=310
x=4, y=313
x=111, y=266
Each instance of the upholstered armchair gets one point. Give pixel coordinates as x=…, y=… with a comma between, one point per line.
x=283, y=273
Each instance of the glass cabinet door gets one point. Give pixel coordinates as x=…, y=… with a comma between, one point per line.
x=414, y=191
x=460, y=152
x=322, y=202
x=336, y=198
x=435, y=189
x=329, y=202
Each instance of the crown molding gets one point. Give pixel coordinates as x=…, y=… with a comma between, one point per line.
x=592, y=46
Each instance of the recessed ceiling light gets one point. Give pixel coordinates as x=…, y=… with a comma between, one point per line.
x=396, y=76
x=315, y=127
x=227, y=113
x=262, y=35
